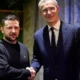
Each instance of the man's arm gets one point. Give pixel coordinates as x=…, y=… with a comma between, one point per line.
x=7, y=71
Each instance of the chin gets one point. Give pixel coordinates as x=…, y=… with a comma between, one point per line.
x=51, y=21
x=12, y=39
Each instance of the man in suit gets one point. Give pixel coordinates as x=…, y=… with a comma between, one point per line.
x=58, y=59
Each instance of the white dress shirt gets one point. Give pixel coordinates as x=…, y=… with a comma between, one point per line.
x=56, y=31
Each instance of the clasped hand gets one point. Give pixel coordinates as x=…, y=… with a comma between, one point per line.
x=33, y=73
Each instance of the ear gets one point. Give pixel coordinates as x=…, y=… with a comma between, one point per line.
x=2, y=30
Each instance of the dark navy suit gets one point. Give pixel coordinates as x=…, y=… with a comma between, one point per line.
x=62, y=65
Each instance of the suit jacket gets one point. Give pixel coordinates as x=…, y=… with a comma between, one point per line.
x=62, y=65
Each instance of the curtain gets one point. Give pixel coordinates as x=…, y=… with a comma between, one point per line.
x=70, y=11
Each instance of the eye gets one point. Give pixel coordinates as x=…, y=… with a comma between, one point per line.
x=16, y=28
x=9, y=28
x=44, y=10
x=52, y=8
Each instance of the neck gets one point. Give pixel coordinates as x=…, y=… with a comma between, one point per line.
x=12, y=42
x=53, y=23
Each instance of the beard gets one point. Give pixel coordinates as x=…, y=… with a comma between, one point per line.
x=10, y=40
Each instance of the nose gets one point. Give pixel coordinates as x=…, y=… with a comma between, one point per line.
x=49, y=12
x=13, y=30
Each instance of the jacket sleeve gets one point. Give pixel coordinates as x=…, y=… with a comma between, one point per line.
x=36, y=62
x=9, y=72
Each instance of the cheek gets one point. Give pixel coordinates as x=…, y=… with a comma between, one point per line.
x=18, y=32
x=44, y=13
x=6, y=32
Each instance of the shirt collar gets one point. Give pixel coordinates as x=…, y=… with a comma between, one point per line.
x=56, y=26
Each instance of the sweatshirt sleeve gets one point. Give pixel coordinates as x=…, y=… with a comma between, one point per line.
x=9, y=72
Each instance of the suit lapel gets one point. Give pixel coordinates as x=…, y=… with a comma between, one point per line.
x=64, y=33
x=61, y=41
x=46, y=37
x=47, y=43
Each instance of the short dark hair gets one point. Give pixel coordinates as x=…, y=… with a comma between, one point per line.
x=9, y=17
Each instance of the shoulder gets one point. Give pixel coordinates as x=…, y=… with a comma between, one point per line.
x=40, y=31
x=70, y=27
x=39, y=34
x=1, y=44
x=2, y=47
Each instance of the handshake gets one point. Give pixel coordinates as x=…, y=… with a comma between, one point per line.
x=33, y=73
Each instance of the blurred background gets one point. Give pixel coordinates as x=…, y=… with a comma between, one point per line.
x=31, y=21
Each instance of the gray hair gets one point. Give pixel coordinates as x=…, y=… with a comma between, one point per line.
x=43, y=1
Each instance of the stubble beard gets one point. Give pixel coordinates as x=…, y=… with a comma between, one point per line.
x=10, y=40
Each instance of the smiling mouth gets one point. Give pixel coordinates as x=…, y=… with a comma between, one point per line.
x=50, y=16
x=13, y=36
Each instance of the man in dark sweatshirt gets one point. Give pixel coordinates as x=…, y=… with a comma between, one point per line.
x=14, y=56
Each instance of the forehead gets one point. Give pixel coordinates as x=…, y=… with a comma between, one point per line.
x=48, y=3
x=11, y=22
